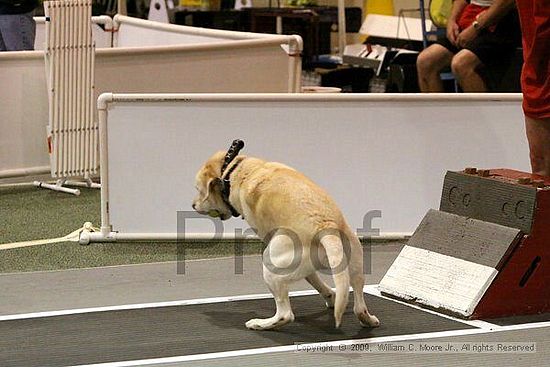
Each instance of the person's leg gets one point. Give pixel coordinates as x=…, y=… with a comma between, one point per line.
x=466, y=66
x=18, y=31
x=429, y=64
x=3, y=27
x=538, y=136
x=2, y=45
x=28, y=31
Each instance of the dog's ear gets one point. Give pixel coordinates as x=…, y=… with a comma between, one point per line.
x=213, y=184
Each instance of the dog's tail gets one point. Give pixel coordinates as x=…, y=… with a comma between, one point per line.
x=338, y=258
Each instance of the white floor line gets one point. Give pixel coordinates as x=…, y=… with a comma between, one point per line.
x=170, y=262
x=293, y=348
x=137, y=306
x=373, y=289
x=369, y=289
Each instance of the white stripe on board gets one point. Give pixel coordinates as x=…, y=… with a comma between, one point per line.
x=438, y=280
x=374, y=290
x=291, y=348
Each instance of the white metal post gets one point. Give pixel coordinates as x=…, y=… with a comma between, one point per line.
x=341, y=27
x=102, y=105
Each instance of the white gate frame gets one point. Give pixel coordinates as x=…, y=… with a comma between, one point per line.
x=70, y=64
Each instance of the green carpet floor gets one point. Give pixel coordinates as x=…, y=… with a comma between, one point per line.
x=28, y=213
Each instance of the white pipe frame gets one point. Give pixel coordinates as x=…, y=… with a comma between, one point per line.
x=102, y=105
x=19, y=172
x=107, y=234
x=58, y=186
x=104, y=20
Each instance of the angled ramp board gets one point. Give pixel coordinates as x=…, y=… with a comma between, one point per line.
x=449, y=262
x=485, y=253
x=465, y=238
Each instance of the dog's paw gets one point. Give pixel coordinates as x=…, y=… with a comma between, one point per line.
x=270, y=323
x=329, y=300
x=370, y=321
x=255, y=324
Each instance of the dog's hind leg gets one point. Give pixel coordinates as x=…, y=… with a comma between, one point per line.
x=279, y=288
x=357, y=281
x=323, y=289
x=337, y=260
x=359, y=306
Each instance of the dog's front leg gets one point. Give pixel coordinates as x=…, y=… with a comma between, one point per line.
x=324, y=290
x=278, y=286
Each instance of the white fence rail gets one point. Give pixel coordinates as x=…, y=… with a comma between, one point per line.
x=102, y=27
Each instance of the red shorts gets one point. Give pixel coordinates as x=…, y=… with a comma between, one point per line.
x=535, y=76
x=469, y=14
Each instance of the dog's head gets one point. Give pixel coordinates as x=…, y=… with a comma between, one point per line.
x=208, y=182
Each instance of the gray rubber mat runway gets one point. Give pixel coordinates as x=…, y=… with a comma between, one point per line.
x=193, y=329
x=292, y=358
x=520, y=319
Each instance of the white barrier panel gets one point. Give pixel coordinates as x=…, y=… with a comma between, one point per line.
x=99, y=34
x=23, y=114
x=247, y=65
x=134, y=32
x=383, y=152
x=240, y=66
x=248, y=62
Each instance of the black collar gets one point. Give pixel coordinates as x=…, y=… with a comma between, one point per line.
x=231, y=154
x=226, y=186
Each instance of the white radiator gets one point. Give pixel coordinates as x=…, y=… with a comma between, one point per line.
x=69, y=52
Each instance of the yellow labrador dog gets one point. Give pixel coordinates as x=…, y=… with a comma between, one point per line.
x=300, y=224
